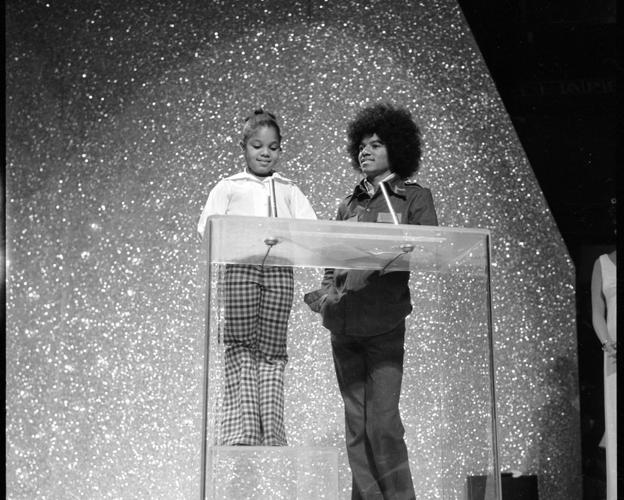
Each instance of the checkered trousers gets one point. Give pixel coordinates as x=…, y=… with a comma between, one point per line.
x=257, y=306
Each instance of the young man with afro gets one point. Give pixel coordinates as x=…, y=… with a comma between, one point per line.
x=365, y=310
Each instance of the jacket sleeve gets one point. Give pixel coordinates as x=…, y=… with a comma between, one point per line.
x=301, y=207
x=421, y=210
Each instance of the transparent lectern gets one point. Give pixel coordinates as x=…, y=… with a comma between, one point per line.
x=447, y=398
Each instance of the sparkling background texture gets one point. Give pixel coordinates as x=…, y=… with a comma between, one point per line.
x=122, y=116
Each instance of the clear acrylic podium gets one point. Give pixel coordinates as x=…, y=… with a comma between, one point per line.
x=447, y=399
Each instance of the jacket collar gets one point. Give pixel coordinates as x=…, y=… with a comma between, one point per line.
x=393, y=183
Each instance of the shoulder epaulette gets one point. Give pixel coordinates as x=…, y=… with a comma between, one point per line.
x=412, y=183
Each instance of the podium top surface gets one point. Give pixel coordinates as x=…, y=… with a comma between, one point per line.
x=233, y=239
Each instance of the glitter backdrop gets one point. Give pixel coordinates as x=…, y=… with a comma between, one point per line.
x=121, y=117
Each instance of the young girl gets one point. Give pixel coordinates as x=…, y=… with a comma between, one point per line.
x=258, y=299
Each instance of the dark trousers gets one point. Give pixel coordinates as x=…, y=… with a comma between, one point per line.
x=369, y=371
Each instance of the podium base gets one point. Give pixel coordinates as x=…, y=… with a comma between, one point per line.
x=513, y=488
x=275, y=472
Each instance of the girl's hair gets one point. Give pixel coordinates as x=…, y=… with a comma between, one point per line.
x=260, y=118
x=396, y=129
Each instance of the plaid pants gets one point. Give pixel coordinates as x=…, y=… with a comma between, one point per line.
x=257, y=306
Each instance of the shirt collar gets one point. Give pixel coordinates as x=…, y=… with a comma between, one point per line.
x=247, y=175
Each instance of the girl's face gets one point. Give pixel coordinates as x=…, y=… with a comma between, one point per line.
x=262, y=151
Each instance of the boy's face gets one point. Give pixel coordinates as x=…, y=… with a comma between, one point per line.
x=262, y=151
x=373, y=157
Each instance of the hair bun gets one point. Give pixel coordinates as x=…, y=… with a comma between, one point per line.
x=259, y=112
x=260, y=117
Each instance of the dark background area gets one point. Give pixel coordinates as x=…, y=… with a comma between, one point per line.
x=554, y=63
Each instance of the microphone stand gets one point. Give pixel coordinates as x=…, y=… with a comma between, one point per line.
x=271, y=241
x=405, y=247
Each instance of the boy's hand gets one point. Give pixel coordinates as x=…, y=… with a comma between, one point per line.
x=315, y=299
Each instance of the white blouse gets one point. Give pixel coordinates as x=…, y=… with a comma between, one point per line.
x=246, y=194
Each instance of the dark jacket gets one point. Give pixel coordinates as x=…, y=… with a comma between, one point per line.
x=366, y=303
